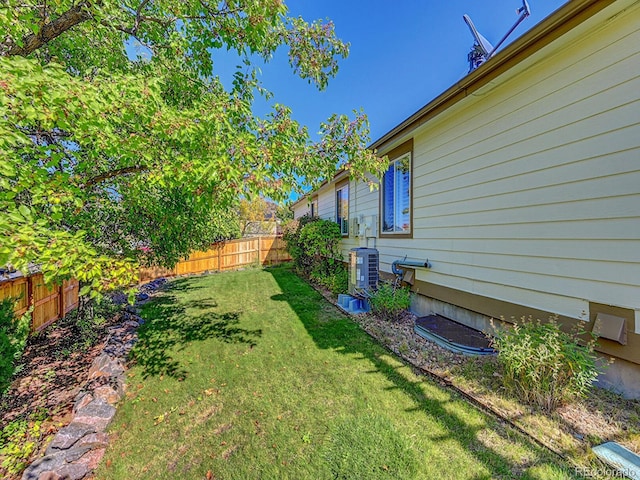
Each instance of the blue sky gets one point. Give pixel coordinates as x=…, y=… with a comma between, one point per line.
x=403, y=54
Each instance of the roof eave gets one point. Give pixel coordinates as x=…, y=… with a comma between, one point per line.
x=558, y=23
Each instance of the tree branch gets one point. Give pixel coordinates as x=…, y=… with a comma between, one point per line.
x=32, y=42
x=114, y=173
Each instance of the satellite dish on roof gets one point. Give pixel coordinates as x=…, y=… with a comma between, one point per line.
x=482, y=42
x=482, y=49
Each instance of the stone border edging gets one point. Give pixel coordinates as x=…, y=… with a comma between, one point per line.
x=76, y=449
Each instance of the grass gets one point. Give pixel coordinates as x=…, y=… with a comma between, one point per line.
x=254, y=375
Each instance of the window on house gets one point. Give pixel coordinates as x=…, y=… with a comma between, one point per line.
x=342, y=208
x=396, y=195
x=314, y=207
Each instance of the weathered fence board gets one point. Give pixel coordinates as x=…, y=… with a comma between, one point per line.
x=227, y=255
x=49, y=303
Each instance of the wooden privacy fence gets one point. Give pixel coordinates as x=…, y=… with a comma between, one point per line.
x=227, y=255
x=54, y=302
x=49, y=303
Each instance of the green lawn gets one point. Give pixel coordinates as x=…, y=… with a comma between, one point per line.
x=252, y=374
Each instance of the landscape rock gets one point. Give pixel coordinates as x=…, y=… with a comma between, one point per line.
x=78, y=448
x=131, y=324
x=132, y=309
x=153, y=285
x=119, y=298
x=94, y=440
x=83, y=399
x=105, y=365
x=55, y=463
x=91, y=459
x=98, y=413
x=108, y=394
x=69, y=436
x=49, y=476
x=73, y=471
x=142, y=296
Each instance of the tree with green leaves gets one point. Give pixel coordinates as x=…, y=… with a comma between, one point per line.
x=107, y=162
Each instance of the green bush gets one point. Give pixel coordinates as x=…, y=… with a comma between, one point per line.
x=389, y=302
x=291, y=235
x=13, y=338
x=336, y=282
x=314, y=245
x=543, y=365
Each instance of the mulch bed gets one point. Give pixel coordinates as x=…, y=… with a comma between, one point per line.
x=52, y=370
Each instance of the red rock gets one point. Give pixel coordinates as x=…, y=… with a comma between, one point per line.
x=92, y=458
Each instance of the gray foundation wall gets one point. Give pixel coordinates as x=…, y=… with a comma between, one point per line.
x=622, y=376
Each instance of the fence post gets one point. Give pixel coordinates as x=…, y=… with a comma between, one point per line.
x=30, y=301
x=259, y=250
x=61, y=304
x=219, y=257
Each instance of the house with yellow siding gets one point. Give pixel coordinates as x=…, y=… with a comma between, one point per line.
x=521, y=186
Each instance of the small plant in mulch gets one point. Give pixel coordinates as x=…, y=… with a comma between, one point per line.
x=544, y=365
x=19, y=440
x=389, y=302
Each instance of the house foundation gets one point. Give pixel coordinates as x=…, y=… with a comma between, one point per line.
x=621, y=376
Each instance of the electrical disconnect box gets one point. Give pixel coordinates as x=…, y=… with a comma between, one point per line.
x=363, y=269
x=364, y=226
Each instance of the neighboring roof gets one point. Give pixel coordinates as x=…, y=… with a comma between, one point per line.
x=561, y=21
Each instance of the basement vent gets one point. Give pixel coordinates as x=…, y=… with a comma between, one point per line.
x=611, y=327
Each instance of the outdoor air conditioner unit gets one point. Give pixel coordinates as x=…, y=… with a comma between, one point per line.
x=363, y=269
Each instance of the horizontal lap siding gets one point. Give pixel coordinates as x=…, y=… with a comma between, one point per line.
x=301, y=209
x=327, y=203
x=530, y=192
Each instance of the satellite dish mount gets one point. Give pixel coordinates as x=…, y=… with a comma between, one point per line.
x=482, y=49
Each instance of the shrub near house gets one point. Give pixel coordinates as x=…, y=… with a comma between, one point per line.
x=543, y=365
x=314, y=245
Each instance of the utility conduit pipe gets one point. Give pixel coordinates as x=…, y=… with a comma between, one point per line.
x=408, y=263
